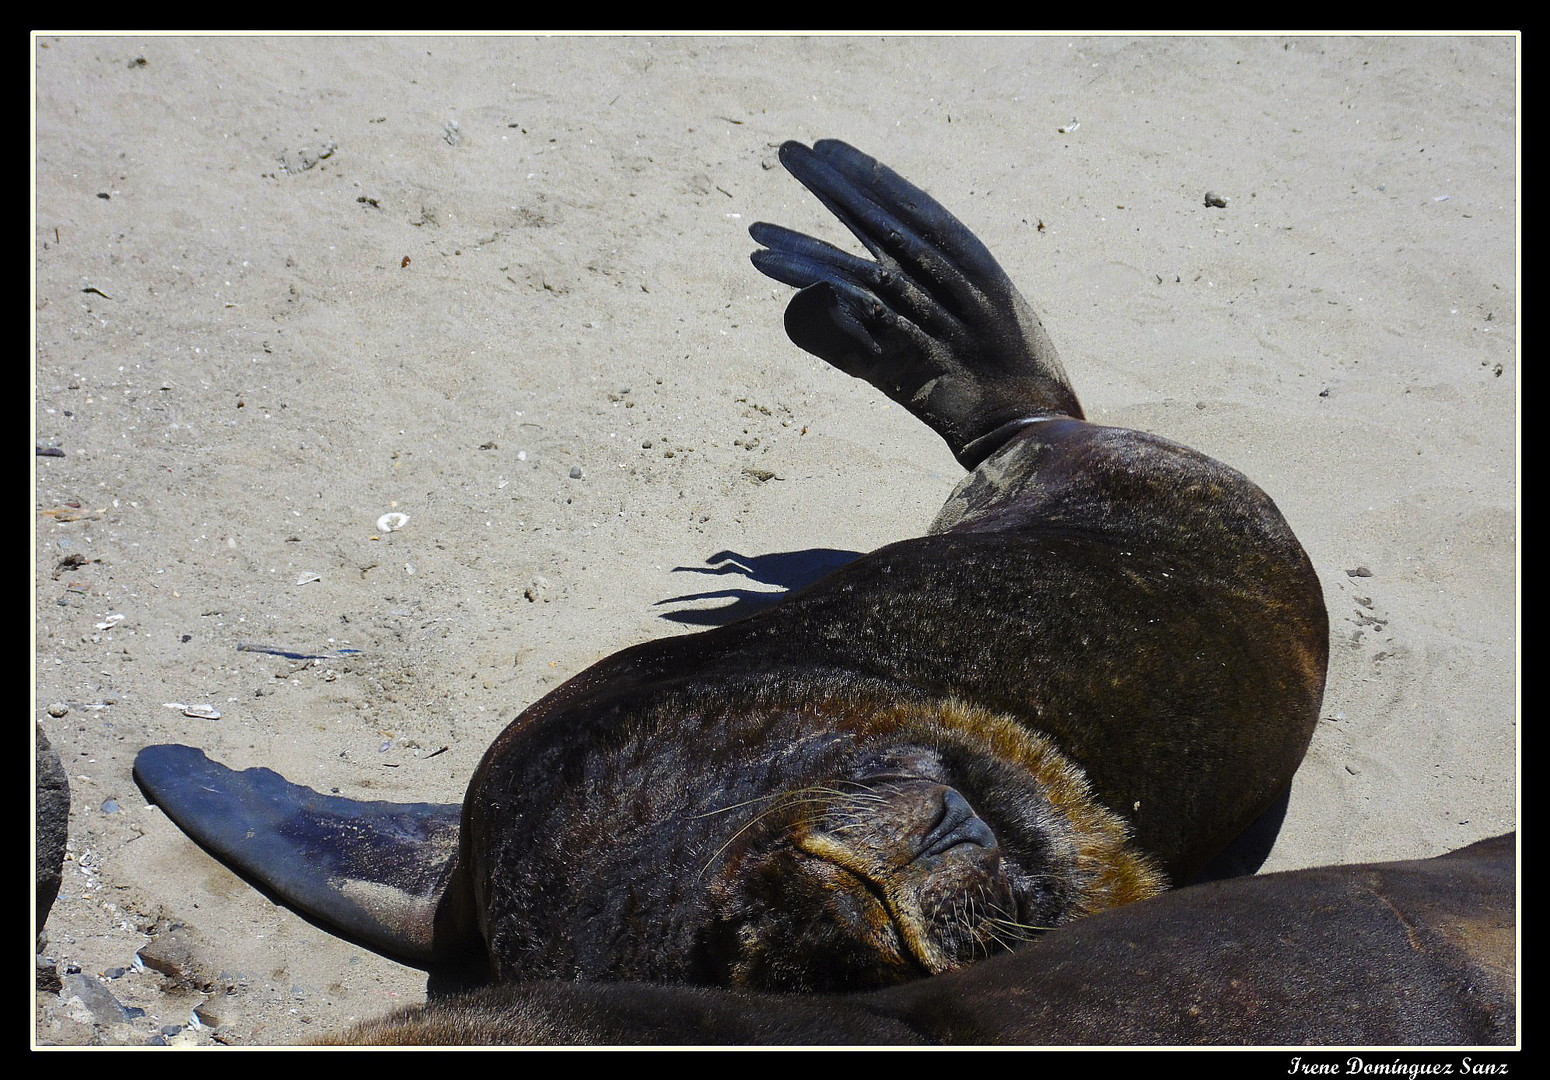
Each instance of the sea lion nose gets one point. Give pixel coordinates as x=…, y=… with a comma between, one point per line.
x=959, y=824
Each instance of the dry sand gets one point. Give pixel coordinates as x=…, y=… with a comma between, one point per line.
x=286, y=285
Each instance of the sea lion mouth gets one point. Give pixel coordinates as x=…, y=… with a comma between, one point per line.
x=928, y=863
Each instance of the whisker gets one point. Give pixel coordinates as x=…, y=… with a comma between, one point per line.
x=798, y=794
x=816, y=794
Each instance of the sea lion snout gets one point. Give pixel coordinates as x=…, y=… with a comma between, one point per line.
x=931, y=866
x=896, y=824
x=884, y=875
x=910, y=805
x=959, y=824
x=919, y=823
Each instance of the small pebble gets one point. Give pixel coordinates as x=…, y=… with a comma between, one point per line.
x=59, y=708
x=575, y=472
x=1213, y=199
x=111, y=806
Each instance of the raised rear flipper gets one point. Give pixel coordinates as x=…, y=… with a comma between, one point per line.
x=934, y=322
x=386, y=874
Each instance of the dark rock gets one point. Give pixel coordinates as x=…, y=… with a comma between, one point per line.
x=53, y=795
x=105, y=1010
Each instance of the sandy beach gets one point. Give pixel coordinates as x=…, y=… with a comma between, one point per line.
x=286, y=286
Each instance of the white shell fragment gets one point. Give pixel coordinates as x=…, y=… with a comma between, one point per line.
x=392, y=522
x=203, y=712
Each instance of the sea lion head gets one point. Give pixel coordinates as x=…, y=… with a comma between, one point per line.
x=818, y=835
x=950, y=835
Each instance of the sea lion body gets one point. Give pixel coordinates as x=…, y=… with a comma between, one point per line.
x=1104, y=661
x=1408, y=953
x=1173, y=657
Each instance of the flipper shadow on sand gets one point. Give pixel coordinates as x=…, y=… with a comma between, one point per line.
x=788, y=570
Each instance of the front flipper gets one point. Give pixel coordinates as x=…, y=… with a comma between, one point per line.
x=934, y=322
x=385, y=874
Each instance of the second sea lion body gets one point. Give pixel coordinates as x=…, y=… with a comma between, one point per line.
x=1420, y=952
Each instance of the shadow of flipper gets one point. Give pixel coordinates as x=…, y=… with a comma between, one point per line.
x=790, y=570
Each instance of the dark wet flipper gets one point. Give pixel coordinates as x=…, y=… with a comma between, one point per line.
x=905, y=256
x=383, y=873
x=796, y=259
x=837, y=315
x=850, y=329
x=824, y=321
x=916, y=209
x=800, y=261
x=799, y=271
x=934, y=322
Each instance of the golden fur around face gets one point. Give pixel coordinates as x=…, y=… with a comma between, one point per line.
x=961, y=836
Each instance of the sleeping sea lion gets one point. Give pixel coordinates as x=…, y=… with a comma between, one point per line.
x=1401, y=953
x=1104, y=660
